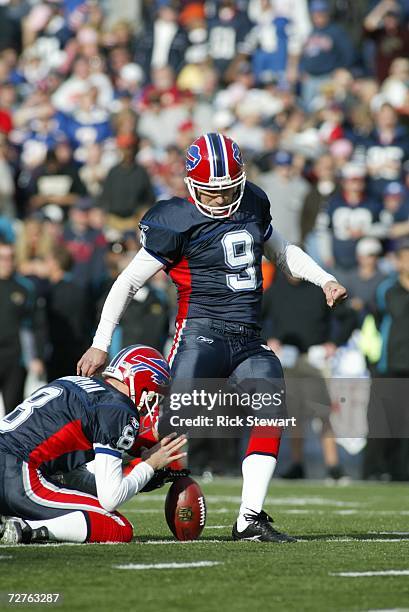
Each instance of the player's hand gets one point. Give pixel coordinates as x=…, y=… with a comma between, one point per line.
x=162, y=476
x=166, y=451
x=334, y=293
x=91, y=361
x=275, y=345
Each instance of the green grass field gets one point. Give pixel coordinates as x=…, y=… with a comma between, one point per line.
x=359, y=528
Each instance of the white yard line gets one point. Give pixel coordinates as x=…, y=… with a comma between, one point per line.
x=390, y=532
x=136, y=542
x=346, y=540
x=216, y=526
x=368, y=574
x=284, y=510
x=179, y=542
x=273, y=501
x=159, y=566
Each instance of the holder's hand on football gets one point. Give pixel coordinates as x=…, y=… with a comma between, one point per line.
x=334, y=293
x=166, y=451
x=163, y=476
x=91, y=361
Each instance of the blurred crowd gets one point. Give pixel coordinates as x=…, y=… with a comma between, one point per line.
x=98, y=103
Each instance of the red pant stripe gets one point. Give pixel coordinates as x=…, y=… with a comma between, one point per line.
x=46, y=493
x=176, y=341
x=103, y=526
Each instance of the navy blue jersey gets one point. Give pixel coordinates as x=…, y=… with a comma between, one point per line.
x=62, y=425
x=215, y=263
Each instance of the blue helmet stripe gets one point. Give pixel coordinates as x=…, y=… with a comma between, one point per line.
x=218, y=155
x=222, y=153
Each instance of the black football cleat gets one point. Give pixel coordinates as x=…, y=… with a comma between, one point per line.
x=15, y=530
x=260, y=530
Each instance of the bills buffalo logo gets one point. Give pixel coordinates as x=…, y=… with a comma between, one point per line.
x=158, y=368
x=193, y=157
x=185, y=514
x=237, y=153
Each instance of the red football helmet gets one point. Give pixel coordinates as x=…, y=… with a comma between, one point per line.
x=145, y=372
x=214, y=163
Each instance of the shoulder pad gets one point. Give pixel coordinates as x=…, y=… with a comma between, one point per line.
x=177, y=214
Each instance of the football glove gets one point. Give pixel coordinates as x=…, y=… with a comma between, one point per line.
x=163, y=476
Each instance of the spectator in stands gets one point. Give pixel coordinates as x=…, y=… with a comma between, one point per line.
x=286, y=191
x=164, y=41
x=33, y=243
x=94, y=170
x=362, y=282
x=388, y=148
x=18, y=347
x=395, y=213
x=227, y=32
x=163, y=109
x=387, y=26
x=68, y=95
x=87, y=123
x=349, y=14
x=56, y=183
x=316, y=202
x=395, y=89
x=147, y=318
x=68, y=315
x=275, y=42
x=127, y=188
x=350, y=215
x=86, y=246
x=327, y=48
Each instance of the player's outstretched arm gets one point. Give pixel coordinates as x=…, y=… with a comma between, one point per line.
x=142, y=267
x=113, y=488
x=294, y=261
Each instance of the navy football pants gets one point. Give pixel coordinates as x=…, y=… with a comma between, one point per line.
x=212, y=348
x=27, y=493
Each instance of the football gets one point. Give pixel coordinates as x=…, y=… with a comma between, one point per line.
x=185, y=509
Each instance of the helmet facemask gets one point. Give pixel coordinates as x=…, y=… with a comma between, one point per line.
x=217, y=185
x=149, y=402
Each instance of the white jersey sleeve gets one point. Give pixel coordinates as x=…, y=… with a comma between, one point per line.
x=142, y=267
x=114, y=489
x=294, y=261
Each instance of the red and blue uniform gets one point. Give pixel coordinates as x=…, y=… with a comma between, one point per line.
x=216, y=266
x=58, y=429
